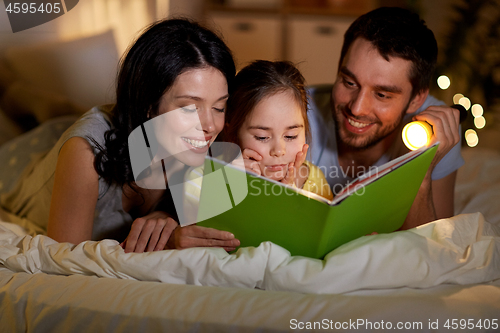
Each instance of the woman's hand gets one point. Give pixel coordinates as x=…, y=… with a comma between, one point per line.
x=294, y=175
x=196, y=236
x=149, y=233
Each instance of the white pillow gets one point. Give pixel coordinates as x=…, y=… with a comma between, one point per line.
x=83, y=70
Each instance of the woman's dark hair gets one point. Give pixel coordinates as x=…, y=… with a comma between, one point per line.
x=257, y=81
x=164, y=50
x=397, y=32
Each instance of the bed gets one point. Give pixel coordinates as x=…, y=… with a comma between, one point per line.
x=443, y=276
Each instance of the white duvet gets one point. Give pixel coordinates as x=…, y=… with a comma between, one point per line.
x=464, y=249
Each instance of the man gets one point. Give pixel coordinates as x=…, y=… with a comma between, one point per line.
x=383, y=83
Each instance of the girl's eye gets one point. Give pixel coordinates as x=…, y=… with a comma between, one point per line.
x=260, y=138
x=291, y=137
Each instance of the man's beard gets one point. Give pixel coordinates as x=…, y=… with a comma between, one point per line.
x=351, y=140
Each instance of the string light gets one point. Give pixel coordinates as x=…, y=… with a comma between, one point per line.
x=477, y=110
x=471, y=138
x=479, y=122
x=456, y=98
x=465, y=102
x=443, y=82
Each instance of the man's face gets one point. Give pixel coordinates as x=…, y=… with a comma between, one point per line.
x=370, y=95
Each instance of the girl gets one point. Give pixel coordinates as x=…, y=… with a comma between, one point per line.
x=84, y=188
x=267, y=117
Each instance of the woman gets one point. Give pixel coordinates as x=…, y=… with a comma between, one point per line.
x=84, y=188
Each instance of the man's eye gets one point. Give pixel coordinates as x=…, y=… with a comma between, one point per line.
x=348, y=83
x=381, y=95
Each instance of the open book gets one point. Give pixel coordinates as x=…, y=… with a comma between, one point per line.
x=305, y=223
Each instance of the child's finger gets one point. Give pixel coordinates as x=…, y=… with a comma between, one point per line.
x=290, y=175
x=251, y=154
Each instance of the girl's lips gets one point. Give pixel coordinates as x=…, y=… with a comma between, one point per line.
x=276, y=167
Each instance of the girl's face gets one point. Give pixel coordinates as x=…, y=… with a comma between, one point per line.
x=191, y=115
x=275, y=129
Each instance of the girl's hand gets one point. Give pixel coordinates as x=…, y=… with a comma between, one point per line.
x=149, y=233
x=294, y=175
x=251, y=159
x=196, y=236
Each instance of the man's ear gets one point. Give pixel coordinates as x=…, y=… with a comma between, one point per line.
x=417, y=101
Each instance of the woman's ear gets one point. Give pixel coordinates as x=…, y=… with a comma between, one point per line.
x=417, y=101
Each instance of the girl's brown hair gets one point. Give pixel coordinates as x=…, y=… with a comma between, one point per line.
x=257, y=81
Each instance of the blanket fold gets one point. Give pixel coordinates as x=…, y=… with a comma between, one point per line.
x=464, y=249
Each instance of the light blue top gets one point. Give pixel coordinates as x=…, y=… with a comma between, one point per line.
x=323, y=149
x=30, y=196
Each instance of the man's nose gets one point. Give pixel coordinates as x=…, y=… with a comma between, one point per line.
x=360, y=104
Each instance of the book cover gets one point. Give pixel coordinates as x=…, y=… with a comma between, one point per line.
x=305, y=223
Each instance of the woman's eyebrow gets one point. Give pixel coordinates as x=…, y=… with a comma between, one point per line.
x=196, y=98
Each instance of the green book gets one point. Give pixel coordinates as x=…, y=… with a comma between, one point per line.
x=258, y=209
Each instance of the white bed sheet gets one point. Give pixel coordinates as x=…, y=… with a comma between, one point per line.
x=77, y=303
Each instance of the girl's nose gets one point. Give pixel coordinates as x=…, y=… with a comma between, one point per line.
x=278, y=148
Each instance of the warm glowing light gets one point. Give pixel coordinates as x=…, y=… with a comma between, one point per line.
x=465, y=102
x=477, y=110
x=471, y=138
x=416, y=134
x=443, y=82
x=479, y=122
x=456, y=98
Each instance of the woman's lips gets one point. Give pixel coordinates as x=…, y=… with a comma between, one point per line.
x=197, y=145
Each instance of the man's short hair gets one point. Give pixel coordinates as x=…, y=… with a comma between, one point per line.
x=397, y=32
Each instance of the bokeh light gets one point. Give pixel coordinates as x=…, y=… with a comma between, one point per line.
x=479, y=122
x=456, y=98
x=477, y=110
x=471, y=138
x=465, y=102
x=443, y=82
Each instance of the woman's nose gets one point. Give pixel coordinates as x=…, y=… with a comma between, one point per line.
x=207, y=123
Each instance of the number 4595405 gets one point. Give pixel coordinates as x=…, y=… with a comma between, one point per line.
x=471, y=324
x=33, y=8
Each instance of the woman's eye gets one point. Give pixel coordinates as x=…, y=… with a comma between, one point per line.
x=220, y=109
x=189, y=109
